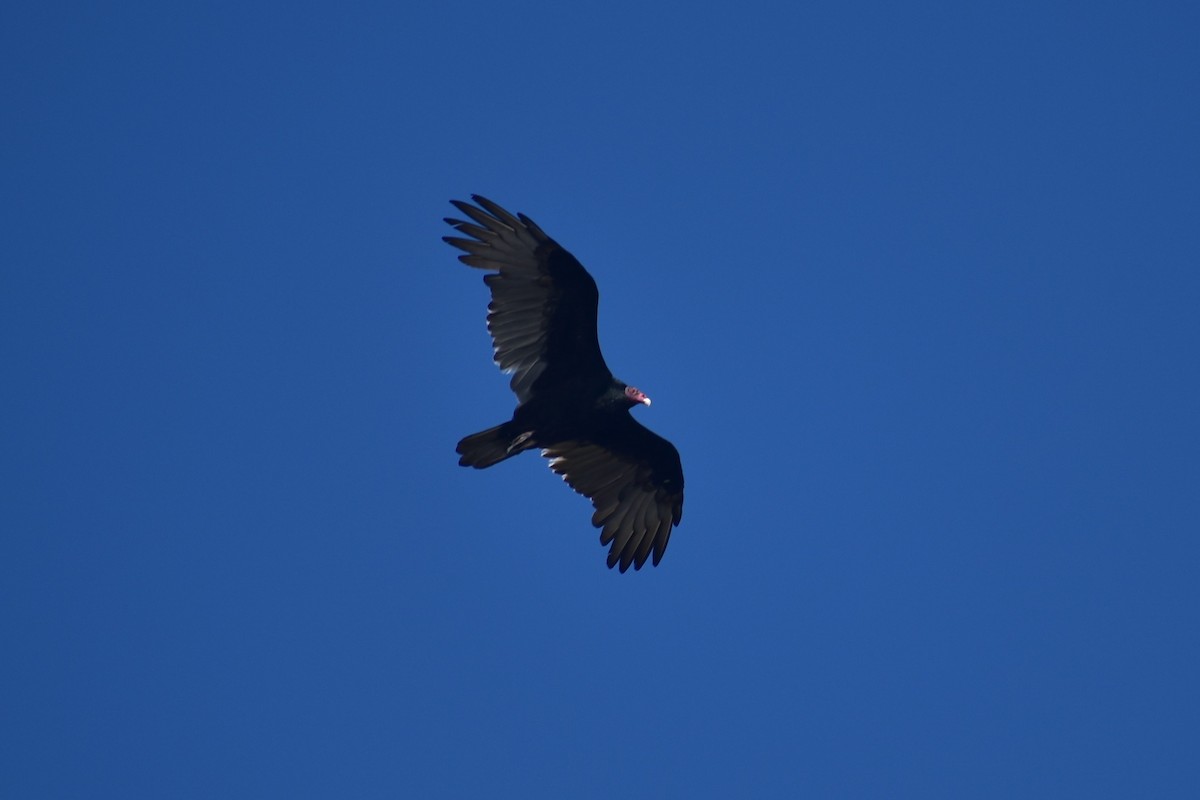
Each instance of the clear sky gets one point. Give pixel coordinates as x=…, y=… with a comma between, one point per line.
x=915, y=288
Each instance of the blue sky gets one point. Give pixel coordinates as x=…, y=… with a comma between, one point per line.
x=914, y=288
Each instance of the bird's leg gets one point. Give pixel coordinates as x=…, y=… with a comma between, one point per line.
x=520, y=440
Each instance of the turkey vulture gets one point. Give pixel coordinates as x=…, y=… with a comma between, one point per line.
x=543, y=324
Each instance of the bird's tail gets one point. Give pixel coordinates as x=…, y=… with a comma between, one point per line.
x=492, y=446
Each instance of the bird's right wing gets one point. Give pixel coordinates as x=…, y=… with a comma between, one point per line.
x=543, y=311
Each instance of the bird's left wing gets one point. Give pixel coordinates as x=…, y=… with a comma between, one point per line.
x=635, y=482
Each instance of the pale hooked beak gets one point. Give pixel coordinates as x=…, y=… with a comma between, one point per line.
x=636, y=395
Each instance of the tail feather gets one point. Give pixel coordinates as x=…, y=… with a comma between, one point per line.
x=483, y=449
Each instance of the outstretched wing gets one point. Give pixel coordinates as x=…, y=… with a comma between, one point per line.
x=635, y=482
x=543, y=311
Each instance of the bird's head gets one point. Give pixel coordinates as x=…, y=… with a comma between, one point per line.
x=635, y=396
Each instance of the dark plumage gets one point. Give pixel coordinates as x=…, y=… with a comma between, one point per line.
x=543, y=324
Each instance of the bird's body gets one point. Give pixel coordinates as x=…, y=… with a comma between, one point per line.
x=543, y=324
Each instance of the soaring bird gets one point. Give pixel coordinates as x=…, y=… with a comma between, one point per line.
x=542, y=319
